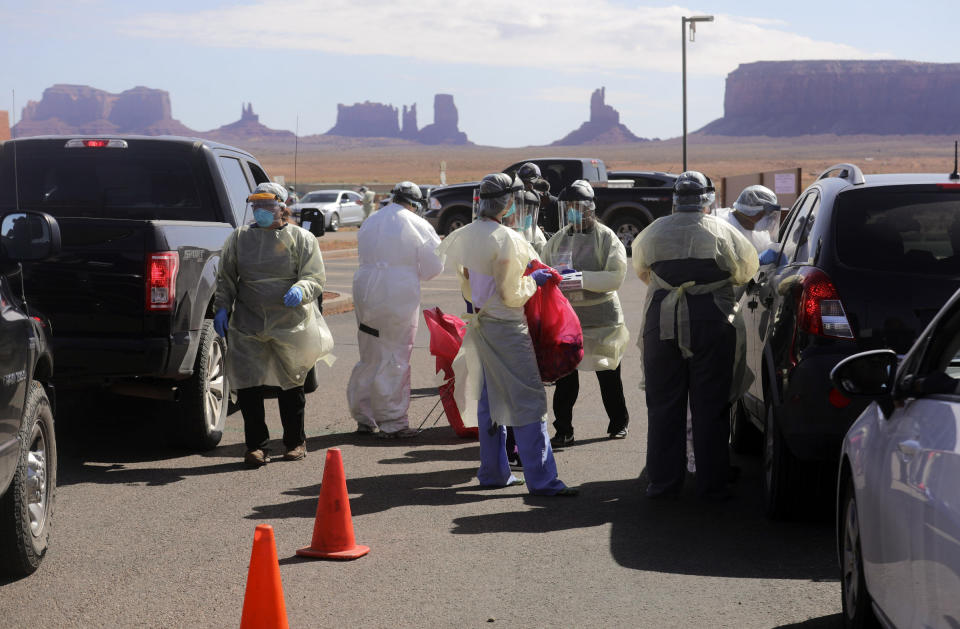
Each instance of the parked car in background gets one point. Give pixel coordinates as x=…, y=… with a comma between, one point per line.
x=865, y=263
x=898, y=490
x=28, y=444
x=624, y=210
x=130, y=297
x=339, y=207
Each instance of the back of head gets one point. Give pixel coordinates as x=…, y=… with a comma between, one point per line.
x=756, y=199
x=692, y=192
x=409, y=193
x=528, y=172
x=496, y=192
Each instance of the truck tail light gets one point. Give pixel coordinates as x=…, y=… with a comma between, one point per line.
x=821, y=313
x=161, y=280
x=78, y=143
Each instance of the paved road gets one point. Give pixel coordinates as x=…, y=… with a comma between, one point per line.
x=148, y=535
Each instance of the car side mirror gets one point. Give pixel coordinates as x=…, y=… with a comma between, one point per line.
x=29, y=236
x=868, y=374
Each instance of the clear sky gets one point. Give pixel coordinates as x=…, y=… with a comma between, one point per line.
x=521, y=73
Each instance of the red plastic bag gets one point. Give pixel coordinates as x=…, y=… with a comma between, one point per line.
x=554, y=328
x=446, y=336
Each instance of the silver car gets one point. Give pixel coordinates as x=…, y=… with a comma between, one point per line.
x=339, y=207
x=898, y=505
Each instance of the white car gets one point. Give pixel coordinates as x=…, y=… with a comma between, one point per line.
x=898, y=505
x=339, y=207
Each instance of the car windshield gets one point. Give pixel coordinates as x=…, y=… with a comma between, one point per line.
x=907, y=229
x=320, y=197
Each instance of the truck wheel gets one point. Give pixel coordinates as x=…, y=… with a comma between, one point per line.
x=455, y=220
x=334, y=222
x=26, y=509
x=744, y=436
x=204, y=397
x=781, y=492
x=627, y=227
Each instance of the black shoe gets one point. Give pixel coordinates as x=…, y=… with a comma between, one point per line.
x=568, y=492
x=560, y=440
x=514, y=459
x=620, y=434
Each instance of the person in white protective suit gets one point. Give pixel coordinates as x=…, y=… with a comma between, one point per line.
x=594, y=264
x=496, y=370
x=397, y=251
x=756, y=215
x=270, y=279
x=693, y=341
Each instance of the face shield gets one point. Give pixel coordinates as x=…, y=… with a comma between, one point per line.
x=499, y=198
x=516, y=215
x=266, y=208
x=579, y=215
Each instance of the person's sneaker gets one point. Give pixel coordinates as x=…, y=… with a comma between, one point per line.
x=560, y=440
x=404, y=433
x=514, y=459
x=295, y=454
x=620, y=434
x=255, y=458
x=363, y=429
x=568, y=492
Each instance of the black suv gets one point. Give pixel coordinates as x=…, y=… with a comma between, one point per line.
x=28, y=446
x=864, y=263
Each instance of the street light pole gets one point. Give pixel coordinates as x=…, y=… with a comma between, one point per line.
x=683, y=41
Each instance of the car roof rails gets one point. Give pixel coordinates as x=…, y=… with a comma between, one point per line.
x=850, y=172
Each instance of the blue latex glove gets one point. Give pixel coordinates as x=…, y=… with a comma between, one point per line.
x=293, y=297
x=540, y=276
x=769, y=256
x=220, y=322
x=566, y=271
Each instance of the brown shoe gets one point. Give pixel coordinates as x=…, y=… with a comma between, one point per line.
x=255, y=458
x=296, y=454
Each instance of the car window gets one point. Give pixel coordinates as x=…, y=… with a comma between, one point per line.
x=807, y=245
x=238, y=188
x=907, y=229
x=258, y=175
x=796, y=228
x=352, y=197
x=320, y=197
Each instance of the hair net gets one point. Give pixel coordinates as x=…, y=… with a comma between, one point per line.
x=496, y=192
x=756, y=199
x=407, y=192
x=692, y=192
x=272, y=188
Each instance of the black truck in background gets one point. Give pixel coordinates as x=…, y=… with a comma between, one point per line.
x=129, y=297
x=626, y=210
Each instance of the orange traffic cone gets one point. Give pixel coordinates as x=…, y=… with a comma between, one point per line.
x=263, y=606
x=332, y=529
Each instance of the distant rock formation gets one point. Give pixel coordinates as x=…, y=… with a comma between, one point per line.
x=248, y=128
x=408, y=125
x=4, y=126
x=72, y=109
x=444, y=129
x=366, y=120
x=791, y=98
x=604, y=126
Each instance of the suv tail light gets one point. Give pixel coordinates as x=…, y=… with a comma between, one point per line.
x=821, y=313
x=161, y=280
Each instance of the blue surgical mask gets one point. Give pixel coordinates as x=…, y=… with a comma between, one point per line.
x=264, y=218
x=512, y=210
x=574, y=216
x=528, y=222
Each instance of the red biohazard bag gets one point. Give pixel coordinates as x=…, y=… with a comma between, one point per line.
x=554, y=328
x=446, y=336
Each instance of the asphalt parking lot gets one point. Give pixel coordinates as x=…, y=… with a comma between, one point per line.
x=148, y=535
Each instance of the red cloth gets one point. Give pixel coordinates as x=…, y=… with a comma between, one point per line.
x=446, y=336
x=554, y=328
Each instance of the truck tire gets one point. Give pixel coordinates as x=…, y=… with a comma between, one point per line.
x=26, y=509
x=455, y=219
x=627, y=227
x=204, y=398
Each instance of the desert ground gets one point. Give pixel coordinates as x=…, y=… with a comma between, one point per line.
x=380, y=163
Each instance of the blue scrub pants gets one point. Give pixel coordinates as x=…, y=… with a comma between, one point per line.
x=539, y=466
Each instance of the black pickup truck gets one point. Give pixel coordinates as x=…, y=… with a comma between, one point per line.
x=129, y=296
x=626, y=210
x=28, y=445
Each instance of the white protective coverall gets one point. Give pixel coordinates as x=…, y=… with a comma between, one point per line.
x=602, y=258
x=397, y=250
x=270, y=343
x=696, y=236
x=763, y=233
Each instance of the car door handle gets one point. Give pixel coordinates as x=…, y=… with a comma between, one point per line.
x=909, y=448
